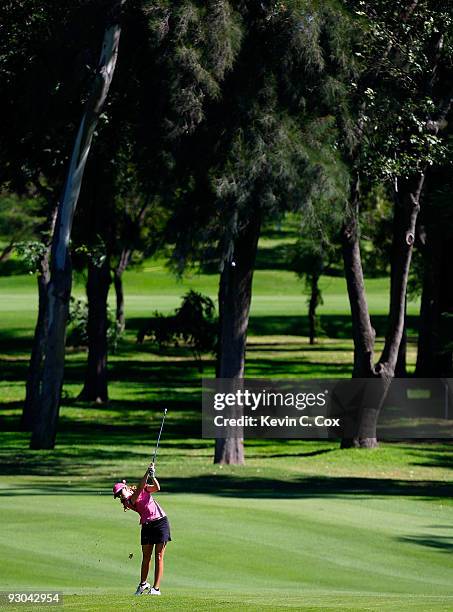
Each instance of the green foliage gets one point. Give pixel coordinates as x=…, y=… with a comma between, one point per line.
x=95, y=253
x=193, y=324
x=270, y=144
x=20, y=218
x=31, y=254
x=406, y=54
x=47, y=54
x=309, y=258
x=404, y=145
x=195, y=45
x=376, y=229
x=77, y=334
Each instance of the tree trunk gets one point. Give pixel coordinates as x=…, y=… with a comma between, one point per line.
x=362, y=330
x=125, y=258
x=406, y=212
x=426, y=330
x=6, y=252
x=95, y=388
x=357, y=434
x=312, y=305
x=119, y=294
x=434, y=357
x=31, y=404
x=401, y=362
x=405, y=219
x=59, y=288
x=235, y=295
x=32, y=385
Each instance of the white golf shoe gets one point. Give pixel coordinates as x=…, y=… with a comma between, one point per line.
x=154, y=591
x=142, y=587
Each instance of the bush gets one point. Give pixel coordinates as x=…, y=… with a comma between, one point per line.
x=77, y=335
x=193, y=324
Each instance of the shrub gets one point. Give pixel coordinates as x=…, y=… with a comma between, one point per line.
x=193, y=324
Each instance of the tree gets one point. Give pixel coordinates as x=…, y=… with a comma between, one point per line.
x=37, y=54
x=310, y=258
x=405, y=92
x=269, y=146
x=59, y=288
x=282, y=157
x=435, y=350
x=132, y=168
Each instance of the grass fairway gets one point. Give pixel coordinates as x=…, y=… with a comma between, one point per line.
x=303, y=525
x=240, y=553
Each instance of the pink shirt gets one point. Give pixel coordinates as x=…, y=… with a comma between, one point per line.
x=148, y=509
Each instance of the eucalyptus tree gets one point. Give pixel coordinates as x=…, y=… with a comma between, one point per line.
x=174, y=77
x=59, y=287
x=44, y=76
x=400, y=102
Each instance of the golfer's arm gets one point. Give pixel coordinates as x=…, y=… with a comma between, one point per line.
x=141, y=485
x=154, y=487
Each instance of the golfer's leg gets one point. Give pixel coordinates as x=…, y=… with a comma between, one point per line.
x=158, y=564
x=147, y=550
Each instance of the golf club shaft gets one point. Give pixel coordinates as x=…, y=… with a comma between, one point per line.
x=160, y=433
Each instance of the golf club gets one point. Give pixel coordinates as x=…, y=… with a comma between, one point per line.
x=158, y=437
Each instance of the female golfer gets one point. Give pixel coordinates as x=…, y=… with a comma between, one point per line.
x=154, y=522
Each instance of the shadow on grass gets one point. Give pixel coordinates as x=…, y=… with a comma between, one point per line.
x=223, y=485
x=303, y=346
x=441, y=543
x=333, y=326
x=124, y=370
x=132, y=427
x=434, y=458
x=336, y=326
x=267, y=368
x=275, y=258
x=314, y=453
x=16, y=341
x=309, y=486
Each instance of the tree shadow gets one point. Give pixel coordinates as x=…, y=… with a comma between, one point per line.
x=124, y=370
x=441, y=543
x=433, y=458
x=275, y=258
x=314, y=453
x=304, y=487
x=272, y=368
x=334, y=326
x=310, y=486
x=16, y=340
x=283, y=347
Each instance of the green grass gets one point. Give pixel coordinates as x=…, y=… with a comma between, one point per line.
x=303, y=525
x=275, y=292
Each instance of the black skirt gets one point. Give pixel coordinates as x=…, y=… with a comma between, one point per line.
x=156, y=532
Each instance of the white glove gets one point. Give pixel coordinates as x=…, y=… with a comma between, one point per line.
x=151, y=470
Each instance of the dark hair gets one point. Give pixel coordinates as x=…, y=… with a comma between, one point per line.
x=124, y=501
